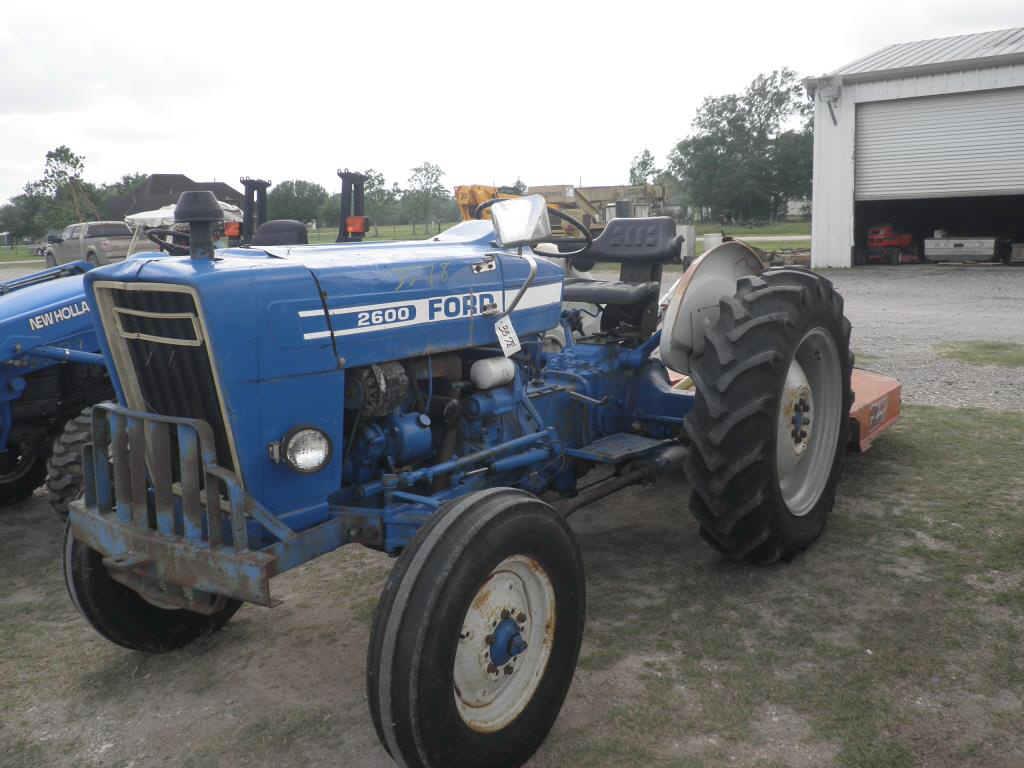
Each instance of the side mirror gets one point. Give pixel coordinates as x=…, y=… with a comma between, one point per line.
x=54, y=239
x=521, y=221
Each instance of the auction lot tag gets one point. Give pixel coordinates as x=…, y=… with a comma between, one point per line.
x=507, y=336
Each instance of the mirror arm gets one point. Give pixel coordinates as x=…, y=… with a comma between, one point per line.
x=493, y=311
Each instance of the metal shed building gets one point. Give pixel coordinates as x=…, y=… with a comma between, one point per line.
x=924, y=135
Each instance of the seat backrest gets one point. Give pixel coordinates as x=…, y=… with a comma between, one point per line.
x=280, y=232
x=649, y=241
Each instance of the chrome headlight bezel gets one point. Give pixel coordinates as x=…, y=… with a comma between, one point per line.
x=288, y=448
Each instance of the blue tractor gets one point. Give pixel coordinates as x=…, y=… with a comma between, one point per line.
x=51, y=372
x=429, y=400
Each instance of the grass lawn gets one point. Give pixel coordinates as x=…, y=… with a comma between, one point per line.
x=782, y=245
x=385, y=232
x=893, y=642
x=780, y=228
x=1003, y=353
x=18, y=253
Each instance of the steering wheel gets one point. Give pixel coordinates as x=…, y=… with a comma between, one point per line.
x=173, y=249
x=587, y=239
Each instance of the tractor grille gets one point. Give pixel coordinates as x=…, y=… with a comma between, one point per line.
x=161, y=339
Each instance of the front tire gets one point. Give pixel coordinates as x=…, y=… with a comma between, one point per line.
x=22, y=469
x=770, y=421
x=121, y=615
x=477, y=633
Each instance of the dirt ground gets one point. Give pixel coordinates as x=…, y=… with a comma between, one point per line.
x=894, y=641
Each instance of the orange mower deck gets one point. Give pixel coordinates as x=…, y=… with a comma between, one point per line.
x=876, y=405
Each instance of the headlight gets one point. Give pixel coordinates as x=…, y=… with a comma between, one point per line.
x=306, y=449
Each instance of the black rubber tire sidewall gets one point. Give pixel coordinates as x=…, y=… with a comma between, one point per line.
x=122, y=616
x=803, y=530
x=64, y=464
x=22, y=487
x=423, y=662
x=736, y=497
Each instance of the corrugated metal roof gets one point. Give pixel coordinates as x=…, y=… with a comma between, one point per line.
x=945, y=53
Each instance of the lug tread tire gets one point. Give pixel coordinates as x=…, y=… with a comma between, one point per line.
x=122, y=616
x=64, y=467
x=409, y=692
x=732, y=426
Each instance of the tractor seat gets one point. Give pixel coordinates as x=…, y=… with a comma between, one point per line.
x=640, y=241
x=613, y=292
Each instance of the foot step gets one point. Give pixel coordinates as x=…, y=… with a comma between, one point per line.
x=615, y=448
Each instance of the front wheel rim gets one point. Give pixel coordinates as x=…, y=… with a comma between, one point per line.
x=504, y=644
x=809, y=420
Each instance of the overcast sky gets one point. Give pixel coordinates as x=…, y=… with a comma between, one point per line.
x=552, y=92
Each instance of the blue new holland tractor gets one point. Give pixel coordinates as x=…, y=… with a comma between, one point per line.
x=51, y=372
x=429, y=400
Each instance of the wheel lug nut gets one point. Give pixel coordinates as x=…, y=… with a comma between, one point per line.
x=509, y=670
x=505, y=613
x=521, y=618
x=489, y=639
x=492, y=669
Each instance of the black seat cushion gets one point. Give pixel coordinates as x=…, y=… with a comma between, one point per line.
x=608, y=292
x=281, y=232
x=647, y=241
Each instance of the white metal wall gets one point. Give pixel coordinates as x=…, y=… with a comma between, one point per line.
x=958, y=145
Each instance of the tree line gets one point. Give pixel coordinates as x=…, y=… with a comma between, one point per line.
x=423, y=201
x=62, y=196
x=748, y=153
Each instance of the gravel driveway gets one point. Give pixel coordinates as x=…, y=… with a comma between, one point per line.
x=900, y=314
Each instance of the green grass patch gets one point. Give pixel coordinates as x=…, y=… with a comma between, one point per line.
x=782, y=245
x=383, y=232
x=1003, y=353
x=779, y=228
x=19, y=253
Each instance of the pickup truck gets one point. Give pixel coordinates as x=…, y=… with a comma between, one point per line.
x=97, y=242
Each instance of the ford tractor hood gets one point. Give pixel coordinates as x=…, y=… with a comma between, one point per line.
x=393, y=300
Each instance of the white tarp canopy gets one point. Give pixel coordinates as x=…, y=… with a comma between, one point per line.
x=164, y=217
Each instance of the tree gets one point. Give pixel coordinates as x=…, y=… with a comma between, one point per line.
x=739, y=162
x=643, y=169
x=296, y=199
x=425, y=191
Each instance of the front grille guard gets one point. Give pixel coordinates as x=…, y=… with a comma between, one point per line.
x=172, y=524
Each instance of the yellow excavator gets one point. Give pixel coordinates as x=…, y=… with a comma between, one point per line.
x=469, y=196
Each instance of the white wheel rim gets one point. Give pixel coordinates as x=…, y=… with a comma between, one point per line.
x=809, y=420
x=489, y=696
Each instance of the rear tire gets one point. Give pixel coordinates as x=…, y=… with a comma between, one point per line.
x=121, y=615
x=444, y=689
x=762, y=493
x=64, y=467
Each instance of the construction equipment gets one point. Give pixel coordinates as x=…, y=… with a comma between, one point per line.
x=469, y=196
x=277, y=403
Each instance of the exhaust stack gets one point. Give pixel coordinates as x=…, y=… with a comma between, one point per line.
x=200, y=210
